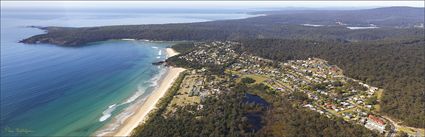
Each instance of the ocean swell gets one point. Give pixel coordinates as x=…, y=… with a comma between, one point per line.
x=133, y=103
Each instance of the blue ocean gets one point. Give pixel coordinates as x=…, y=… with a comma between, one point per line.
x=47, y=90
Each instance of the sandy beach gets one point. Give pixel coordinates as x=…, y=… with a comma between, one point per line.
x=142, y=112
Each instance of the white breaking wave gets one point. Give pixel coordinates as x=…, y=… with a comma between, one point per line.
x=140, y=91
x=160, y=52
x=119, y=119
x=154, y=81
x=136, y=101
x=107, y=112
x=111, y=108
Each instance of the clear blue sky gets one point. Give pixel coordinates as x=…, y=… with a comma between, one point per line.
x=208, y=4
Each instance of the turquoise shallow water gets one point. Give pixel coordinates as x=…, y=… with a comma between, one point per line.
x=68, y=90
x=57, y=91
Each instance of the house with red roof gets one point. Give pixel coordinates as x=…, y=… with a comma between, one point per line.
x=375, y=123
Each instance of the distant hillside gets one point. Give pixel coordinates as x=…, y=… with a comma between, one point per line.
x=282, y=26
x=382, y=17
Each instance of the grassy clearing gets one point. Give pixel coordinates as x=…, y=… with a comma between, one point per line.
x=406, y=130
x=181, y=100
x=379, y=93
x=347, y=110
x=258, y=78
x=182, y=97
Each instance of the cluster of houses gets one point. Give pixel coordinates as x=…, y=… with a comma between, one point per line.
x=215, y=53
x=304, y=73
x=205, y=85
x=330, y=92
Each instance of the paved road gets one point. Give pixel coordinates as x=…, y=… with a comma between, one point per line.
x=392, y=132
x=395, y=125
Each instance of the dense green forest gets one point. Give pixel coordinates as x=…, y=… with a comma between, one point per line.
x=212, y=69
x=220, y=116
x=273, y=25
x=389, y=17
x=183, y=47
x=397, y=66
x=287, y=121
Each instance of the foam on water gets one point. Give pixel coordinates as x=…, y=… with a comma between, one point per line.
x=107, y=112
x=140, y=91
x=111, y=108
x=119, y=119
x=154, y=81
x=135, y=101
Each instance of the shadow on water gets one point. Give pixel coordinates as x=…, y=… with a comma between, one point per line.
x=255, y=117
x=250, y=98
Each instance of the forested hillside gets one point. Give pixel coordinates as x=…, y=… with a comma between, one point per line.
x=398, y=66
x=283, y=26
x=383, y=17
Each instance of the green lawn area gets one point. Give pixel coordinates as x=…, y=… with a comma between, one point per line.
x=347, y=110
x=379, y=93
x=228, y=71
x=406, y=130
x=377, y=107
x=258, y=78
x=181, y=100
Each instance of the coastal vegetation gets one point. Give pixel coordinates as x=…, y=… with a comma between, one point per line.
x=391, y=25
x=222, y=116
x=389, y=57
x=183, y=47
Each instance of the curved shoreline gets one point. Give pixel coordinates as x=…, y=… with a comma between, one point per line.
x=142, y=111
